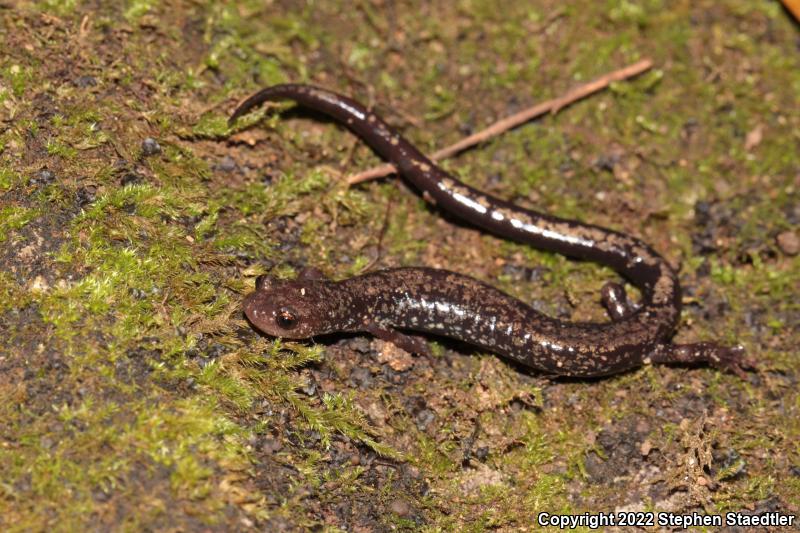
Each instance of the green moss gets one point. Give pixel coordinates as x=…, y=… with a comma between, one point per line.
x=138, y=8
x=106, y=442
x=58, y=148
x=8, y=179
x=211, y=127
x=341, y=415
x=19, y=77
x=247, y=374
x=13, y=218
x=11, y=294
x=58, y=7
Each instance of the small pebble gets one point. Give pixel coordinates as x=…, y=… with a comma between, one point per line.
x=85, y=81
x=412, y=471
x=398, y=359
x=360, y=344
x=129, y=178
x=270, y=445
x=43, y=177
x=424, y=418
x=101, y=495
x=309, y=389
x=523, y=273
x=645, y=448
x=85, y=195
x=361, y=377
x=606, y=162
x=150, y=147
x=227, y=164
x=139, y=294
x=400, y=507
x=216, y=350
x=789, y=243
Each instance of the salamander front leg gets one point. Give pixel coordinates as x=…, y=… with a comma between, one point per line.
x=405, y=342
x=730, y=358
x=615, y=300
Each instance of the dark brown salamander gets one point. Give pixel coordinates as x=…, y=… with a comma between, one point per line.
x=457, y=306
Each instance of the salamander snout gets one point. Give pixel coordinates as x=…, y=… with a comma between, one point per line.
x=284, y=309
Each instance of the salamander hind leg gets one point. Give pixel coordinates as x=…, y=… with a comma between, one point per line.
x=405, y=342
x=615, y=300
x=730, y=358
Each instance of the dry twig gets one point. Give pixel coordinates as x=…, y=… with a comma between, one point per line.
x=550, y=106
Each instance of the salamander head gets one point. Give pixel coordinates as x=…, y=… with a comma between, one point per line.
x=290, y=309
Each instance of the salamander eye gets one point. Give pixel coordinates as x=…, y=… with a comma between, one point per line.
x=286, y=318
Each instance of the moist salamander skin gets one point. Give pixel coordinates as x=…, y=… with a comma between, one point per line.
x=455, y=305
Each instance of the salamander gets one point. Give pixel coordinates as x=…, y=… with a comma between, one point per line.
x=389, y=303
